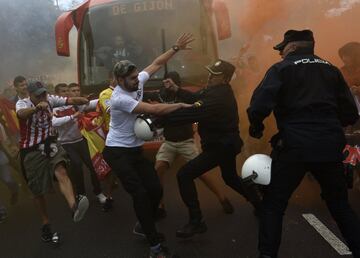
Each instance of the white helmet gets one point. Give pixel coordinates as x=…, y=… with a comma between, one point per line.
x=145, y=129
x=258, y=168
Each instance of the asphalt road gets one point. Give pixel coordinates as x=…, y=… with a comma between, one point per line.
x=109, y=235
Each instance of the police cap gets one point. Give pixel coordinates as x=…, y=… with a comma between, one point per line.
x=295, y=35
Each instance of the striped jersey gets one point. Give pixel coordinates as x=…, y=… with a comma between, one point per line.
x=37, y=128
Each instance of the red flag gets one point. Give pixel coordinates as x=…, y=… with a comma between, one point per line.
x=7, y=108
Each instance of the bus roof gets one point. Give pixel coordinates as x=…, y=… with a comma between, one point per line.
x=74, y=17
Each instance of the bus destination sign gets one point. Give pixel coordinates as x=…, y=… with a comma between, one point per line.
x=143, y=6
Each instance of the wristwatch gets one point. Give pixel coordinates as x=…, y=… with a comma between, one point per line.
x=176, y=48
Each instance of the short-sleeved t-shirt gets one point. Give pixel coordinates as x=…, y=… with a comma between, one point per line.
x=122, y=120
x=38, y=126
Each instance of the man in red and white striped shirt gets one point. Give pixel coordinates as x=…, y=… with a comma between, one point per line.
x=43, y=158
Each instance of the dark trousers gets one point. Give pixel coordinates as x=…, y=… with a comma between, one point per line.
x=285, y=177
x=220, y=155
x=79, y=154
x=140, y=180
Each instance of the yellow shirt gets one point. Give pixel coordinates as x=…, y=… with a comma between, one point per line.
x=104, y=104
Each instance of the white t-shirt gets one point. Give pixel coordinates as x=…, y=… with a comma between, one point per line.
x=122, y=120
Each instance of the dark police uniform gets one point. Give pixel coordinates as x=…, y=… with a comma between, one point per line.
x=171, y=133
x=216, y=112
x=311, y=104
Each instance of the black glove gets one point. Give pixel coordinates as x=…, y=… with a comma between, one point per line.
x=256, y=132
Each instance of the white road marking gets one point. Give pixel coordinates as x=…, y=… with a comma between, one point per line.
x=333, y=240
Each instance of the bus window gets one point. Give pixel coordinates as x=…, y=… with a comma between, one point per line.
x=133, y=30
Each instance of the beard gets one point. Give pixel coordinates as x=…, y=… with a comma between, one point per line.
x=131, y=88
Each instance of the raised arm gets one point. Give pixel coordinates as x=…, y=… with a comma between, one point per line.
x=181, y=44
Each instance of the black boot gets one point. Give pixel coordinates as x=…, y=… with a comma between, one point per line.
x=191, y=229
x=253, y=194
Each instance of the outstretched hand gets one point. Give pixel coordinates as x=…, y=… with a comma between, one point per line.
x=184, y=40
x=184, y=105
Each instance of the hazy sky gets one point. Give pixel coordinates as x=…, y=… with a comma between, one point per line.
x=65, y=4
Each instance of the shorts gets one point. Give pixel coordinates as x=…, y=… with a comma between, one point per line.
x=169, y=150
x=40, y=170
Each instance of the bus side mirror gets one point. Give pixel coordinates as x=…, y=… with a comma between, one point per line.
x=63, y=26
x=222, y=19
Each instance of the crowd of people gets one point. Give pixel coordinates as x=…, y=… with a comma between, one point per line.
x=313, y=102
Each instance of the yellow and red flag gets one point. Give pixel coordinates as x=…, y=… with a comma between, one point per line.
x=92, y=128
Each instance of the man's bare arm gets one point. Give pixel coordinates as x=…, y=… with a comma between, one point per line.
x=77, y=101
x=25, y=113
x=158, y=109
x=181, y=43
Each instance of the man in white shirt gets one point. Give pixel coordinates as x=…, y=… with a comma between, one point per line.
x=123, y=151
x=42, y=157
x=65, y=121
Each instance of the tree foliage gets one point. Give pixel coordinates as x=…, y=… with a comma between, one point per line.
x=27, y=38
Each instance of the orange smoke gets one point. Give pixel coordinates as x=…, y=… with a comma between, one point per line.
x=256, y=15
x=262, y=23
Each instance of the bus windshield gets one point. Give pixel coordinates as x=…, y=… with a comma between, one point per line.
x=139, y=31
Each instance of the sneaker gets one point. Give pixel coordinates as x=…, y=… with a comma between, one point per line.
x=108, y=205
x=101, y=198
x=80, y=208
x=191, y=229
x=14, y=198
x=140, y=232
x=160, y=213
x=3, y=216
x=162, y=252
x=48, y=236
x=227, y=206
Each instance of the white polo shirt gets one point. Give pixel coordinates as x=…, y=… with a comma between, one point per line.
x=122, y=120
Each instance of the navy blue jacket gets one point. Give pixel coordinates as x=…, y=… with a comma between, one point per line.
x=311, y=103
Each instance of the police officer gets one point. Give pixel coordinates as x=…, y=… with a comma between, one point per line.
x=179, y=140
x=311, y=104
x=216, y=112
